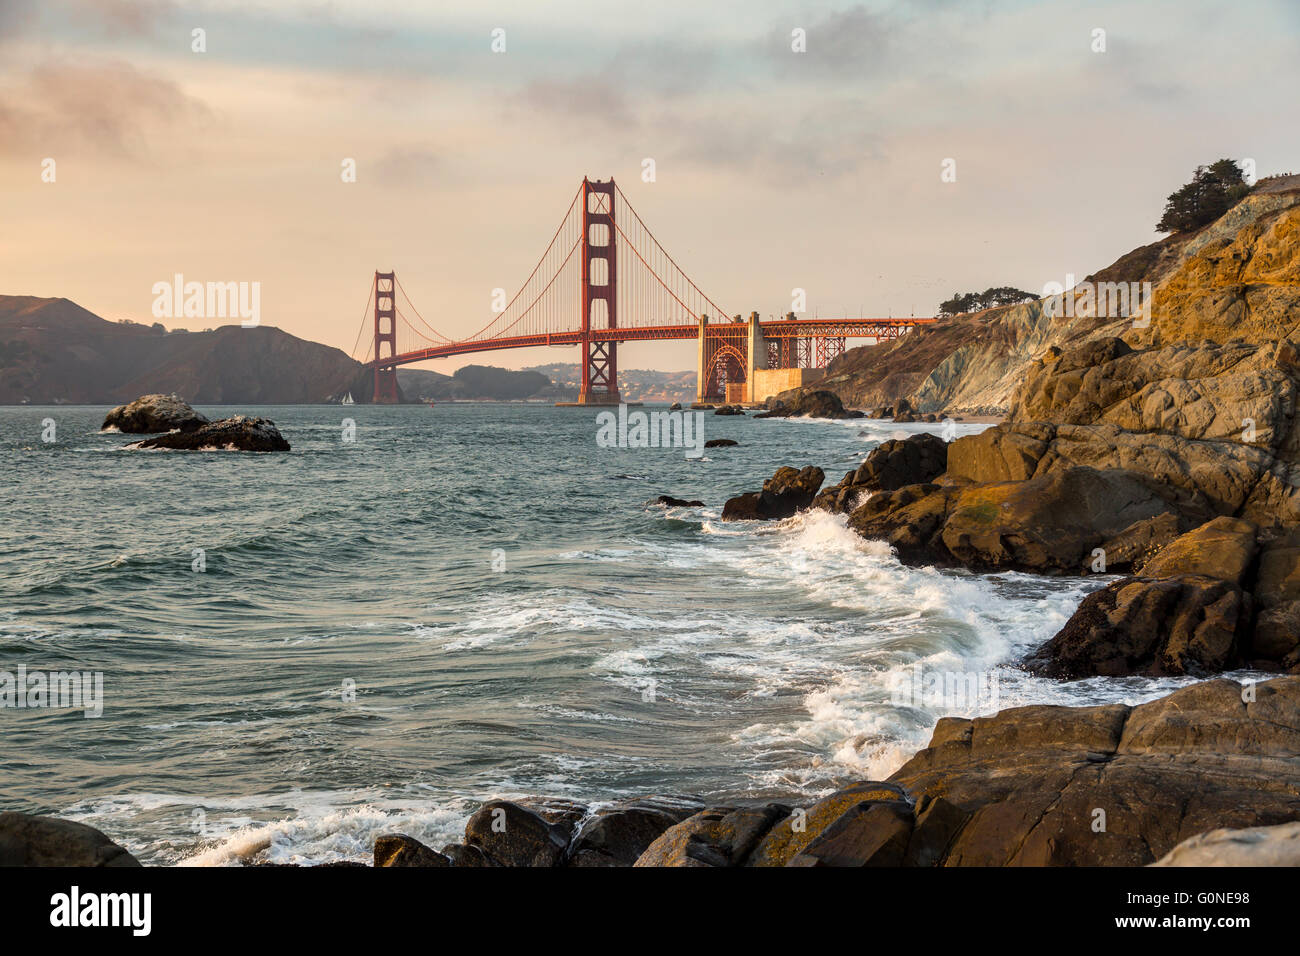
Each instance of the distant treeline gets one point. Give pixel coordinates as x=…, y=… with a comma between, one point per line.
x=977, y=301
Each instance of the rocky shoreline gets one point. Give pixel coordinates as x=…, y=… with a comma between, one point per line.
x=1043, y=785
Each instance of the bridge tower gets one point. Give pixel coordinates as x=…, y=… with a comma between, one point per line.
x=385, y=334
x=599, y=359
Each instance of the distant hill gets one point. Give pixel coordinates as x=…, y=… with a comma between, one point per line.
x=635, y=385
x=482, y=383
x=54, y=351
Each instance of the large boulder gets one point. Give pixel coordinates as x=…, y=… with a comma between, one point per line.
x=788, y=491
x=30, y=840
x=618, y=835
x=1277, y=597
x=511, y=835
x=240, y=433
x=398, y=849
x=1113, y=784
x=1050, y=524
x=1188, y=624
x=1190, y=610
x=719, y=837
x=815, y=403
x=154, y=413
x=889, y=466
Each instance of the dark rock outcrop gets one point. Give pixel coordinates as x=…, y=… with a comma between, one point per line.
x=401, y=850
x=721, y=443
x=818, y=403
x=785, y=493
x=1048, y=525
x=240, y=433
x=890, y=466
x=618, y=835
x=668, y=501
x=30, y=840
x=1112, y=784
x=154, y=413
x=728, y=410
x=1030, y=786
x=1189, y=611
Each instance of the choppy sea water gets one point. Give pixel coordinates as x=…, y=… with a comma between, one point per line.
x=466, y=602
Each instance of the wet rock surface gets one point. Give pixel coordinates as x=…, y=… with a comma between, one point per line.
x=1029, y=786
x=30, y=840
x=818, y=403
x=154, y=413
x=788, y=491
x=1219, y=597
x=240, y=433
x=888, y=467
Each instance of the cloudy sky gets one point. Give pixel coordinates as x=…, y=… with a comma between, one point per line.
x=774, y=169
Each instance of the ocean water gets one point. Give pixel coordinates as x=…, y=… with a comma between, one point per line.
x=465, y=602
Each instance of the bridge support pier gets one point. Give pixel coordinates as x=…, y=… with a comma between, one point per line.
x=385, y=334
x=757, y=349
x=599, y=358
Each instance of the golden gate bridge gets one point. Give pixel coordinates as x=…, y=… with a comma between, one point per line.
x=605, y=279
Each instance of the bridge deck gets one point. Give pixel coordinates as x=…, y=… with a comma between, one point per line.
x=774, y=329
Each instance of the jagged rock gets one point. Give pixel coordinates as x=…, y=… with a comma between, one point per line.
x=30, y=840
x=619, y=835
x=398, y=849
x=511, y=835
x=1252, y=846
x=875, y=833
x=1223, y=548
x=1033, y=779
x=675, y=407
x=154, y=413
x=240, y=433
x=668, y=501
x=890, y=466
x=1189, y=611
x=720, y=443
x=1277, y=595
x=796, y=832
x=818, y=403
x=719, y=837
x=785, y=493
x=1189, y=624
x=463, y=855
x=728, y=410
x=1049, y=524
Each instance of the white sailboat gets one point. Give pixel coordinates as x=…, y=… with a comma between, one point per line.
x=347, y=399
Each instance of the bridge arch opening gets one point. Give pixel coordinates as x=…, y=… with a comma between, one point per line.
x=726, y=374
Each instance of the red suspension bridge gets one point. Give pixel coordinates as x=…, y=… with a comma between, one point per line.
x=605, y=279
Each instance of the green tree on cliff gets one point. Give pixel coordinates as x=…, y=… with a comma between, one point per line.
x=1214, y=190
x=977, y=301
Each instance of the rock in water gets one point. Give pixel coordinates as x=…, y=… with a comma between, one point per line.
x=892, y=465
x=154, y=413
x=729, y=410
x=720, y=443
x=818, y=403
x=1189, y=611
x=28, y=840
x=786, y=492
x=668, y=501
x=240, y=433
